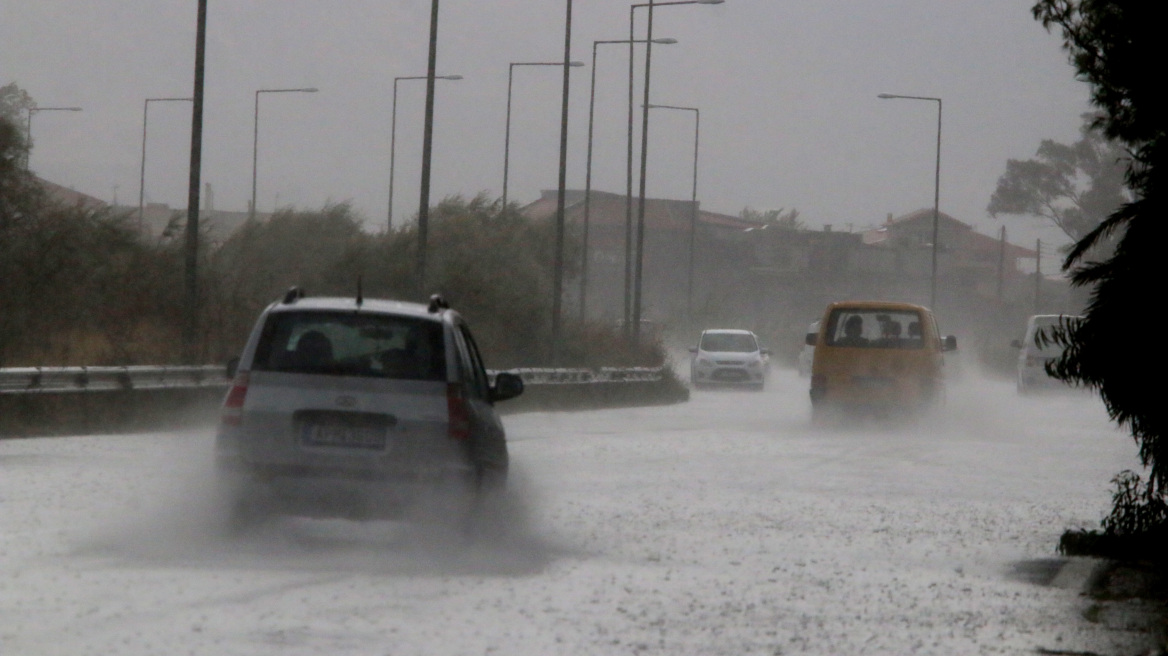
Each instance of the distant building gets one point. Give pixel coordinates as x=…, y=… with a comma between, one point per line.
x=70, y=197
x=156, y=217
x=666, y=264
x=776, y=279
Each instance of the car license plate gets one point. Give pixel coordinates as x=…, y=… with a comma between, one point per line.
x=341, y=435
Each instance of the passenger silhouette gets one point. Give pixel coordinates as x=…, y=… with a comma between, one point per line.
x=314, y=350
x=854, y=332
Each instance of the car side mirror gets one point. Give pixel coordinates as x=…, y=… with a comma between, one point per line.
x=232, y=367
x=693, y=349
x=765, y=351
x=811, y=338
x=950, y=343
x=1016, y=343
x=507, y=386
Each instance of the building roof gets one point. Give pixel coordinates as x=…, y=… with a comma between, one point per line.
x=606, y=208
x=70, y=197
x=968, y=238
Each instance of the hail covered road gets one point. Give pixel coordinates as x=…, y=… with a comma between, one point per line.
x=725, y=525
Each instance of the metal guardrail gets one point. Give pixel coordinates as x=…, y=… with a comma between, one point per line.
x=537, y=376
x=42, y=380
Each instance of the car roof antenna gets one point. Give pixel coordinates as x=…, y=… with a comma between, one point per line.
x=360, y=296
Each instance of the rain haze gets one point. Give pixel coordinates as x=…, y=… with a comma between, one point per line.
x=730, y=523
x=787, y=91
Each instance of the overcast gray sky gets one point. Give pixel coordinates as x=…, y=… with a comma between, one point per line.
x=787, y=91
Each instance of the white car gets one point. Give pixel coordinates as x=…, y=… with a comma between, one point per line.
x=729, y=357
x=359, y=408
x=1034, y=354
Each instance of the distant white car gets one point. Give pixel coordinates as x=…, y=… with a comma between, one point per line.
x=1033, y=355
x=729, y=357
x=807, y=353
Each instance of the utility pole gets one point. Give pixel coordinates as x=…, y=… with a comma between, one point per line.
x=427, y=144
x=191, y=308
x=558, y=256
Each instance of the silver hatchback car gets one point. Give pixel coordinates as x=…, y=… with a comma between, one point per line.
x=359, y=408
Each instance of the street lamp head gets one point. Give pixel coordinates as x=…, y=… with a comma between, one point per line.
x=450, y=77
x=667, y=41
x=710, y=2
x=886, y=96
x=576, y=64
x=310, y=90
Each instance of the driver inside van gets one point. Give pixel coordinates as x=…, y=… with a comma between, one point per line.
x=853, y=332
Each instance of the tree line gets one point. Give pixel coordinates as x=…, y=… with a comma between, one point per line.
x=82, y=286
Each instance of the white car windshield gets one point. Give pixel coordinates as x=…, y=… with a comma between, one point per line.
x=729, y=343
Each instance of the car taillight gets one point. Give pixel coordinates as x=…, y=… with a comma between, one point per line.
x=233, y=404
x=459, y=411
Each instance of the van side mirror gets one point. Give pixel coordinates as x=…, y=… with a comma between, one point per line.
x=950, y=343
x=1016, y=343
x=765, y=351
x=693, y=349
x=507, y=386
x=232, y=367
x=811, y=338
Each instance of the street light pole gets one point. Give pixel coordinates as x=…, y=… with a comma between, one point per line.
x=393, y=137
x=142, y=175
x=693, y=219
x=588, y=167
x=629, y=293
x=507, y=131
x=28, y=128
x=936, y=190
x=255, y=144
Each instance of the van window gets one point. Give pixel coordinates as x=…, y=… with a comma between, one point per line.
x=352, y=344
x=875, y=328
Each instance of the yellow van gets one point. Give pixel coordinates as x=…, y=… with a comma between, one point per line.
x=877, y=358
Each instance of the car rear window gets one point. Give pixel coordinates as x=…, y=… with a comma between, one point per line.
x=729, y=343
x=352, y=344
x=874, y=328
